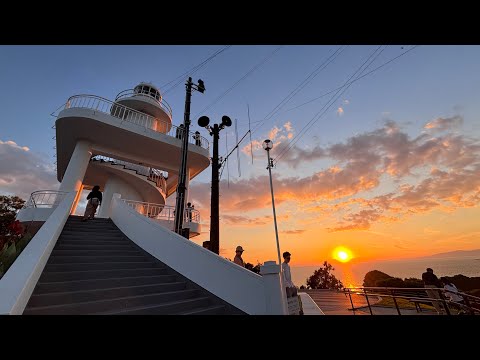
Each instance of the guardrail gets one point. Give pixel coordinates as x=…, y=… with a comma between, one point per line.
x=131, y=93
x=470, y=304
x=155, y=175
x=45, y=199
x=127, y=114
x=162, y=212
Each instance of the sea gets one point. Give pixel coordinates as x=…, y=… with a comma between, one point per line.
x=352, y=274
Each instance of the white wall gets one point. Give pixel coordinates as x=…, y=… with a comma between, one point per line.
x=116, y=185
x=18, y=283
x=34, y=214
x=236, y=285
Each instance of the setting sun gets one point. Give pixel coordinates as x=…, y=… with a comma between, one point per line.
x=342, y=254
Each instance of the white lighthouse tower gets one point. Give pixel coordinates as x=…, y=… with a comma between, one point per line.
x=128, y=147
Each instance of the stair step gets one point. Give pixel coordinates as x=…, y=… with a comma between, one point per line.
x=75, y=297
x=161, y=309
x=211, y=310
x=96, y=247
x=95, y=259
x=104, y=232
x=81, y=228
x=93, y=238
x=98, y=252
x=102, y=266
x=99, y=274
x=85, y=242
x=117, y=304
x=78, y=285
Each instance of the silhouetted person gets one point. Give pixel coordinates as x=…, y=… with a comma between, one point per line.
x=430, y=280
x=179, y=132
x=451, y=293
x=94, y=200
x=238, y=256
x=197, y=138
x=189, y=211
x=287, y=276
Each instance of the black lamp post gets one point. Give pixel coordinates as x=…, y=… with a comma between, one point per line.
x=180, y=201
x=214, y=201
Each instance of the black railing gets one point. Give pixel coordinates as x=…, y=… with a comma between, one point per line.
x=469, y=305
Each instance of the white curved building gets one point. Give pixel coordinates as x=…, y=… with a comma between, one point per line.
x=127, y=260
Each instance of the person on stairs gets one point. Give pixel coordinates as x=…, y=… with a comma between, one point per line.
x=94, y=200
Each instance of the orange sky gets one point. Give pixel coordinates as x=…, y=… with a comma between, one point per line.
x=384, y=194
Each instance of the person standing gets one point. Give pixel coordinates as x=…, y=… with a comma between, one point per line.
x=197, y=138
x=94, y=200
x=238, y=256
x=431, y=281
x=290, y=288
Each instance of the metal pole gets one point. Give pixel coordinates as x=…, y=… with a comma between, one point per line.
x=270, y=164
x=214, y=201
x=180, y=201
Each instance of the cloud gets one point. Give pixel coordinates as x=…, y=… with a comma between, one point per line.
x=244, y=220
x=445, y=170
x=346, y=102
x=293, y=232
x=23, y=171
x=288, y=126
x=442, y=124
x=340, y=111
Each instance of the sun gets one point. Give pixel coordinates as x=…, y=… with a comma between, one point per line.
x=342, y=254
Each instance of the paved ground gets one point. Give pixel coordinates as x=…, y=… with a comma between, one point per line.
x=338, y=303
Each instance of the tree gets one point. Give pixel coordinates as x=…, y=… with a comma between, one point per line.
x=9, y=205
x=323, y=279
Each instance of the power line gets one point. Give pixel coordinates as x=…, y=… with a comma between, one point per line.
x=299, y=87
x=238, y=81
x=332, y=100
x=360, y=77
x=179, y=79
x=304, y=83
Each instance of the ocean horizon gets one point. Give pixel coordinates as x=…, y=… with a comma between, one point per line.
x=353, y=274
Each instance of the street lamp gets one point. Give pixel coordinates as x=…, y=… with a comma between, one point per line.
x=180, y=201
x=214, y=200
x=268, y=145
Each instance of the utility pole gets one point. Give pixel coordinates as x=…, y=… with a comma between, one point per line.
x=268, y=145
x=180, y=201
x=214, y=131
x=215, y=194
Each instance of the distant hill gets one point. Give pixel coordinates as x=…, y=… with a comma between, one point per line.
x=457, y=253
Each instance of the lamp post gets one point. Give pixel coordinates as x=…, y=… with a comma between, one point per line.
x=180, y=201
x=268, y=145
x=214, y=200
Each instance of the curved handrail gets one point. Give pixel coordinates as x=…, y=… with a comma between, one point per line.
x=44, y=199
x=130, y=115
x=162, y=212
x=155, y=175
x=131, y=92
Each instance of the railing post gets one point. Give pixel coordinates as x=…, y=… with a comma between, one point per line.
x=445, y=305
x=395, y=301
x=368, y=302
x=351, y=301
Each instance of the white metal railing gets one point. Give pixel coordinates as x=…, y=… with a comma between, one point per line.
x=127, y=114
x=158, y=99
x=155, y=175
x=162, y=212
x=45, y=199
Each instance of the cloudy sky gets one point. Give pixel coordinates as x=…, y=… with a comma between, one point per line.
x=388, y=167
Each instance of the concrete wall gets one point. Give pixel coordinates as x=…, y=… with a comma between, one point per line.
x=238, y=286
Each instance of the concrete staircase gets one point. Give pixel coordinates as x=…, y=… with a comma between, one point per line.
x=95, y=269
